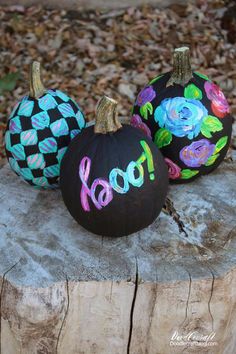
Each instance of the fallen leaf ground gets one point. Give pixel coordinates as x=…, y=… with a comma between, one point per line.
x=115, y=52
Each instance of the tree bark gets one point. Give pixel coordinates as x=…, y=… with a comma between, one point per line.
x=64, y=290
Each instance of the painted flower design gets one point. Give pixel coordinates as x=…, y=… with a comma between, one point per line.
x=173, y=169
x=136, y=121
x=219, y=104
x=197, y=153
x=146, y=95
x=181, y=116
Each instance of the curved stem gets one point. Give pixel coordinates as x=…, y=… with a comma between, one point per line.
x=36, y=87
x=182, y=72
x=106, y=119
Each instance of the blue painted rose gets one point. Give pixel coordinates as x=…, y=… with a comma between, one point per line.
x=181, y=116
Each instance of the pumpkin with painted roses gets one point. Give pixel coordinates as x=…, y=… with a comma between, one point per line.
x=188, y=118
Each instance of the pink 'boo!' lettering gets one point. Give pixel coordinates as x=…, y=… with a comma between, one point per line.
x=105, y=195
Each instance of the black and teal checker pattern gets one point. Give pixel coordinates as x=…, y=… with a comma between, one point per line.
x=37, y=136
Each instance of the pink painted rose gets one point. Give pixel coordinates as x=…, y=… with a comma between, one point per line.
x=173, y=169
x=136, y=121
x=219, y=104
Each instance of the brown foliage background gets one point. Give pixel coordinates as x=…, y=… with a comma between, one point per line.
x=116, y=52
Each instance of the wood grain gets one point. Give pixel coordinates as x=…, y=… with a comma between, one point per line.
x=64, y=290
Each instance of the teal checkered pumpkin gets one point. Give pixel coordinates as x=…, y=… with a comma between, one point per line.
x=39, y=130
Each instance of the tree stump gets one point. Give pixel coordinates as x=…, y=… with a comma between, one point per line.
x=64, y=290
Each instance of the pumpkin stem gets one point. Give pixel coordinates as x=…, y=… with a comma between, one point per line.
x=182, y=71
x=106, y=119
x=36, y=87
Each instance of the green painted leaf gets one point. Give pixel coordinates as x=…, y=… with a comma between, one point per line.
x=202, y=76
x=210, y=125
x=192, y=91
x=8, y=82
x=186, y=174
x=145, y=109
x=221, y=144
x=162, y=137
x=143, y=112
x=155, y=79
x=211, y=159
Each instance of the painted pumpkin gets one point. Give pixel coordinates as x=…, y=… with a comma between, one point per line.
x=187, y=115
x=113, y=178
x=39, y=130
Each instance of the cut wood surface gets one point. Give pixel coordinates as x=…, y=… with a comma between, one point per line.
x=65, y=290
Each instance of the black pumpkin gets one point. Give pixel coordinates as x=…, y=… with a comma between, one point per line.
x=188, y=118
x=39, y=130
x=113, y=178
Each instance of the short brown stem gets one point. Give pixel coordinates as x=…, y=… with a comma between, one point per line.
x=106, y=119
x=182, y=72
x=36, y=87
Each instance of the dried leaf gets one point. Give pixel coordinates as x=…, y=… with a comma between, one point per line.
x=8, y=82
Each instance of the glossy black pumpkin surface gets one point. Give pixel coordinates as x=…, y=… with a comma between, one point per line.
x=113, y=184
x=191, y=125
